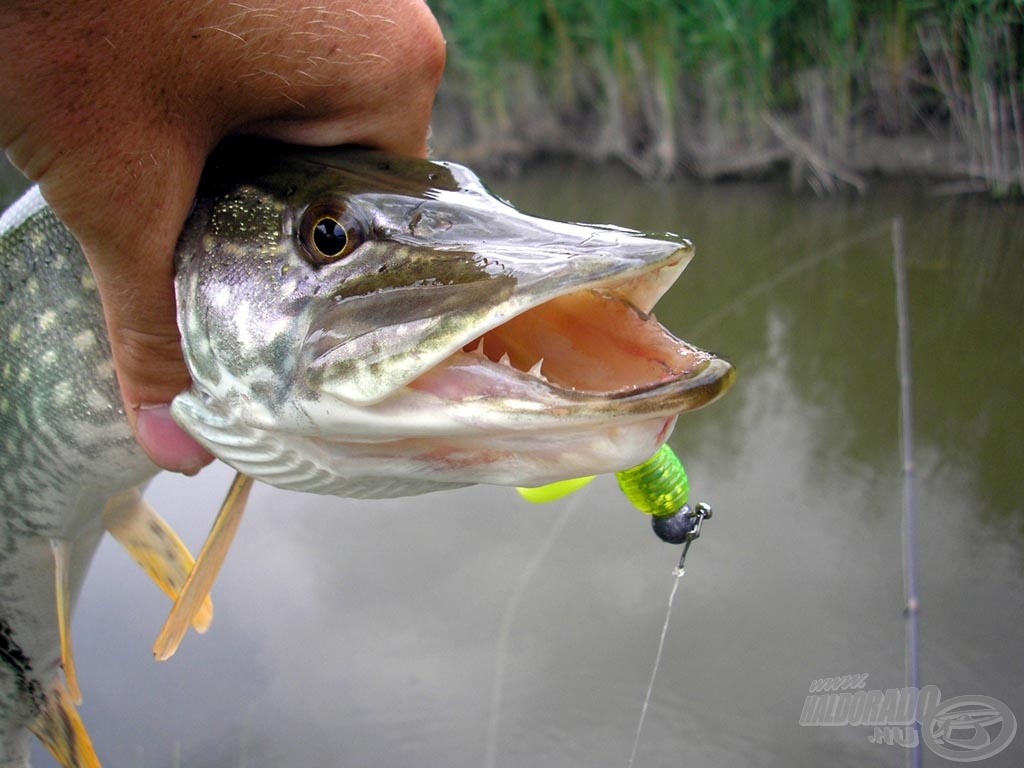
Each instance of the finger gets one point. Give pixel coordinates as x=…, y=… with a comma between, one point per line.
x=366, y=72
x=128, y=235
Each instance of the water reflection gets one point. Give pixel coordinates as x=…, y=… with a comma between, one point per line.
x=365, y=633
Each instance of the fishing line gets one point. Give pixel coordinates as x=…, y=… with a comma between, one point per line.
x=709, y=319
x=909, y=519
x=678, y=574
x=703, y=513
x=658, y=487
x=909, y=522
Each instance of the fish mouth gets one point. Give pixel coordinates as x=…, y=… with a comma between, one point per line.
x=584, y=345
x=580, y=346
x=589, y=351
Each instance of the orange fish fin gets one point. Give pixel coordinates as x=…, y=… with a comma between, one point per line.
x=62, y=587
x=154, y=545
x=204, y=574
x=61, y=730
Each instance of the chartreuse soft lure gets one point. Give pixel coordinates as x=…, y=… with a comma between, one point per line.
x=658, y=487
x=543, y=494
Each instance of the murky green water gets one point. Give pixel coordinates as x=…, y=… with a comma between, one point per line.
x=442, y=630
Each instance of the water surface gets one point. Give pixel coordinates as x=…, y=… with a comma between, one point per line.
x=373, y=633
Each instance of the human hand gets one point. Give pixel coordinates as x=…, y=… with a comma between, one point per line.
x=113, y=107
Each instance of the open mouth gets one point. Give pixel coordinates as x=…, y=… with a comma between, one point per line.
x=590, y=342
x=594, y=343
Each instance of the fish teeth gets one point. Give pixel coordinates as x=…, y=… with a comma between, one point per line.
x=505, y=361
x=479, y=348
x=535, y=370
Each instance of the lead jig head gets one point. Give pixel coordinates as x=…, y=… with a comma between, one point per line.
x=682, y=527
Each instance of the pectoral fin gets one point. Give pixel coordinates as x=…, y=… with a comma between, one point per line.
x=155, y=547
x=204, y=574
x=61, y=730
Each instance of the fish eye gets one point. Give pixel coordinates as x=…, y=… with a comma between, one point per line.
x=329, y=237
x=329, y=232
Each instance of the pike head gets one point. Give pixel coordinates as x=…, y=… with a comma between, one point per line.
x=368, y=325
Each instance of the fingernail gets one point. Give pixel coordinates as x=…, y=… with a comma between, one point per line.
x=166, y=443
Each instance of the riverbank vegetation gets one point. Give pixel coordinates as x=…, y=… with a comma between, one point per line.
x=831, y=90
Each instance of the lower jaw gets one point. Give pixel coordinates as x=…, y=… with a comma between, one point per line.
x=530, y=458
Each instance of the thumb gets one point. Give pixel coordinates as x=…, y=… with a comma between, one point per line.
x=140, y=315
x=128, y=233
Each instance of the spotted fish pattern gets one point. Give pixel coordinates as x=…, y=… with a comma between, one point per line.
x=64, y=448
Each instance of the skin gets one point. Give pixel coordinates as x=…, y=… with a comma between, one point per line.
x=113, y=107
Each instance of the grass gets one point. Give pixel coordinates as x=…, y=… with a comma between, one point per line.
x=665, y=83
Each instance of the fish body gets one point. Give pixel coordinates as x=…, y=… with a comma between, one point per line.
x=355, y=324
x=65, y=449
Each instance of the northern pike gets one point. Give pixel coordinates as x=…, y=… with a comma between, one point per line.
x=355, y=324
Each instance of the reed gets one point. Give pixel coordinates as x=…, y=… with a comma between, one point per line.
x=665, y=85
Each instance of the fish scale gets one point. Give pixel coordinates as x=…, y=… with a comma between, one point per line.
x=65, y=448
x=340, y=373
x=60, y=410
